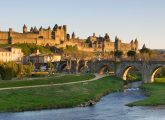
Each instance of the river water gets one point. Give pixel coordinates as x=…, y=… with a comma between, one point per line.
x=110, y=107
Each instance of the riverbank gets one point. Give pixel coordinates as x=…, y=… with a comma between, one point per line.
x=155, y=92
x=57, y=96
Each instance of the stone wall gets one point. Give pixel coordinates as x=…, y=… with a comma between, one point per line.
x=125, y=47
x=44, y=42
x=57, y=37
x=45, y=33
x=23, y=40
x=109, y=46
x=4, y=35
x=3, y=41
x=24, y=36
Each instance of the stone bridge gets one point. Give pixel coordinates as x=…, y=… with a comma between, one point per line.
x=120, y=69
x=147, y=69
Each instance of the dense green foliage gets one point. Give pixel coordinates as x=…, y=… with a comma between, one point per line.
x=134, y=77
x=118, y=53
x=145, y=50
x=45, y=81
x=156, y=93
x=8, y=70
x=57, y=96
x=71, y=48
x=131, y=53
x=32, y=48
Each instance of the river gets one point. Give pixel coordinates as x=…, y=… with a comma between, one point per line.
x=110, y=107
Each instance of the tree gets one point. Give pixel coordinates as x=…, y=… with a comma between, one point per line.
x=118, y=53
x=20, y=72
x=68, y=55
x=2, y=72
x=73, y=54
x=50, y=68
x=131, y=53
x=28, y=69
x=146, y=53
x=6, y=71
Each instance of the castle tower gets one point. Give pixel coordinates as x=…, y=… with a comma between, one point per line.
x=73, y=35
x=35, y=30
x=10, y=35
x=55, y=27
x=31, y=29
x=106, y=37
x=136, y=45
x=94, y=35
x=132, y=45
x=68, y=36
x=41, y=31
x=25, y=29
x=49, y=32
x=65, y=31
x=117, y=43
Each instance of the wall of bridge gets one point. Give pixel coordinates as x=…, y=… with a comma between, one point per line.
x=147, y=69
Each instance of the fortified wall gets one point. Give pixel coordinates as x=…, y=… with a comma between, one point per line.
x=59, y=38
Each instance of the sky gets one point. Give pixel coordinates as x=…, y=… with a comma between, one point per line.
x=127, y=19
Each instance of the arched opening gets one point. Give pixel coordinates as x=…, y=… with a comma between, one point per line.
x=81, y=68
x=131, y=74
x=2, y=73
x=158, y=74
x=63, y=67
x=0, y=76
x=104, y=69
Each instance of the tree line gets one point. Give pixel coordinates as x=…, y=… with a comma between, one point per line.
x=8, y=70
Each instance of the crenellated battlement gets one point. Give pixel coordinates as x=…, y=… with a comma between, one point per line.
x=58, y=36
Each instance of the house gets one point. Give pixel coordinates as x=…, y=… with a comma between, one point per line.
x=43, y=58
x=11, y=54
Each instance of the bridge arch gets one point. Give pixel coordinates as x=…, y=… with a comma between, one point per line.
x=103, y=69
x=81, y=68
x=63, y=67
x=126, y=71
x=154, y=72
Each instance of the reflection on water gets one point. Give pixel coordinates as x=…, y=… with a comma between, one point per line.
x=111, y=107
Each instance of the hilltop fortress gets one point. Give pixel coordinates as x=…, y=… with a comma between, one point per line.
x=59, y=38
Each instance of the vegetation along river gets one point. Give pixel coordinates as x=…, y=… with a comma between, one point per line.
x=110, y=107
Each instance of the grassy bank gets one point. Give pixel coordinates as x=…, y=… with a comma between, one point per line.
x=155, y=92
x=45, y=81
x=57, y=96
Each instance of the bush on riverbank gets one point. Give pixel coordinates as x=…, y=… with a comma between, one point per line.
x=57, y=96
x=155, y=92
x=9, y=70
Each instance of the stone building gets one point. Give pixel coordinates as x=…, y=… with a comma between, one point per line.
x=11, y=54
x=59, y=37
x=42, y=58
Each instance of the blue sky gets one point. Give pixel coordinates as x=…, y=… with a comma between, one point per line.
x=128, y=19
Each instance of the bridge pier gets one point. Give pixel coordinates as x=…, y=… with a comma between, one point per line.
x=117, y=69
